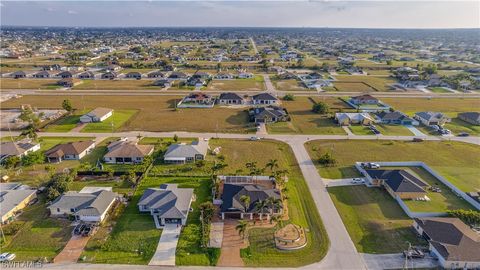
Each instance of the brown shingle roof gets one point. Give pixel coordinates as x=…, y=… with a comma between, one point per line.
x=72, y=148
x=129, y=149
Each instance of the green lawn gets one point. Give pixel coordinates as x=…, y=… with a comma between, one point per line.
x=66, y=123
x=361, y=130
x=39, y=236
x=301, y=208
x=462, y=170
x=393, y=130
x=112, y=123
x=457, y=126
x=439, y=90
x=373, y=219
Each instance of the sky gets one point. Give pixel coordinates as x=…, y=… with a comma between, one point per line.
x=228, y=13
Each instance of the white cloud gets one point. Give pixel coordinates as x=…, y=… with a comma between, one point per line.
x=72, y=12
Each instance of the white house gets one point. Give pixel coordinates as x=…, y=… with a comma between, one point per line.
x=97, y=115
x=18, y=148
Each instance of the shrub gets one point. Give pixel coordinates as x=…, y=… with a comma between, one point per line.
x=470, y=217
x=327, y=160
x=289, y=97
x=33, y=158
x=320, y=108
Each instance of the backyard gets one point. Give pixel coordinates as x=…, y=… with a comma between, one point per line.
x=442, y=156
x=373, y=219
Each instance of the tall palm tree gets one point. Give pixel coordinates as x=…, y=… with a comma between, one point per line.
x=241, y=228
x=273, y=203
x=260, y=206
x=245, y=199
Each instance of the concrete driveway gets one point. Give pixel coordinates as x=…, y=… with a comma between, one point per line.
x=397, y=261
x=340, y=182
x=165, y=253
x=72, y=250
x=415, y=131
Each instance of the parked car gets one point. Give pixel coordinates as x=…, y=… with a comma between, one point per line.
x=371, y=165
x=463, y=134
x=358, y=181
x=414, y=253
x=417, y=140
x=254, y=138
x=6, y=257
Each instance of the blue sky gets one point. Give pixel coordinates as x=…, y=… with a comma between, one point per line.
x=300, y=13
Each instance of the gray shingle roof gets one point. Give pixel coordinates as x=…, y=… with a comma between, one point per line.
x=94, y=203
x=232, y=193
x=399, y=180
x=185, y=150
x=171, y=202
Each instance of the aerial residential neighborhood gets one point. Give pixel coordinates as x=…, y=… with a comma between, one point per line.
x=240, y=134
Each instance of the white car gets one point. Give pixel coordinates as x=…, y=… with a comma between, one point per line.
x=7, y=257
x=254, y=138
x=358, y=181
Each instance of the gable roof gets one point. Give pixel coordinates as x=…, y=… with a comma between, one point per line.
x=15, y=148
x=230, y=95
x=232, y=193
x=169, y=202
x=399, y=180
x=472, y=116
x=352, y=116
x=95, y=203
x=71, y=148
x=271, y=111
x=452, y=238
x=429, y=116
x=10, y=198
x=364, y=98
x=99, y=112
x=393, y=116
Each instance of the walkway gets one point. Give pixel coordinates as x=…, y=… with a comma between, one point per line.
x=340, y=182
x=231, y=245
x=348, y=131
x=72, y=250
x=396, y=261
x=165, y=253
x=78, y=127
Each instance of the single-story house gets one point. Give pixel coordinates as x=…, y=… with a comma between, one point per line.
x=52, y=67
x=156, y=74
x=125, y=151
x=18, y=74
x=97, y=115
x=176, y=75
x=133, y=75
x=345, y=119
x=185, y=153
x=399, y=183
x=269, y=114
x=113, y=68
x=201, y=75
x=431, y=118
x=162, y=83
x=197, y=82
x=85, y=205
x=109, y=75
x=453, y=242
x=86, y=75
x=69, y=151
x=470, y=117
x=65, y=74
x=197, y=99
x=232, y=205
x=41, y=74
x=364, y=100
x=244, y=75
x=230, y=98
x=315, y=84
x=13, y=198
x=18, y=148
x=224, y=76
x=69, y=82
x=167, y=204
x=265, y=99
x=395, y=118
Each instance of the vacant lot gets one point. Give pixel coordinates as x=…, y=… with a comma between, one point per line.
x=378, y=83
x=156, y=113
x=393, y=130
x=352, y=87
x=116, y=84
x=66, y=123
x=412, y=105
x=304, y=121
x=289, y=85
x=373, y=219
x=301, y=208
x=118, y=119
x=254, y=84
x=461, y=170
x=6, y=83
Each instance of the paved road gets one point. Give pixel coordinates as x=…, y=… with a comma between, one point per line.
x=268, y=84
x=254, y=45
x=397, y=261
x=165, y=253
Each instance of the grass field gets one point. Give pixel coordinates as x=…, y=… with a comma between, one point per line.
x=377, y=83
x=304, y=121
x=439, y=90
x=352, y=87
x=156, y=113
x=7, y=83
x=39, y=236
x=373, y=219
x=457, y=126
x=301, y=208
x=254, y=84
x=66, y=123
x=393, y=130
x=442, y=156
x=288, y=85
x=118, y=119
x=116, y=84
x=361, y=130
x=412, y=105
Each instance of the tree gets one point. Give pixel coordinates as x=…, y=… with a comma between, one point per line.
x=58, y=185
x=289, y=97
x=207, y=210
x=130, y=177
x=245, y=199
x=273, y=204
x=272, y=164
x=470, y=217
x=241, y=228
x=11, y=162
x=33, y=158
x=33, y=121
x=260, y=206
x=320, y=108
x=67, y=105
x=327, y=160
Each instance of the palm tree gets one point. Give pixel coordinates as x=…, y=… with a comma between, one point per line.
x=275, y=219
x=260, y=206
x=272, y=164
x=273, y=203
x=245, y=199
x=242, y=228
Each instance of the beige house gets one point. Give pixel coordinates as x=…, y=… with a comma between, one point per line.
x=346, y=119
x=13, y=198
x=127, y=151
x=70, y=151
